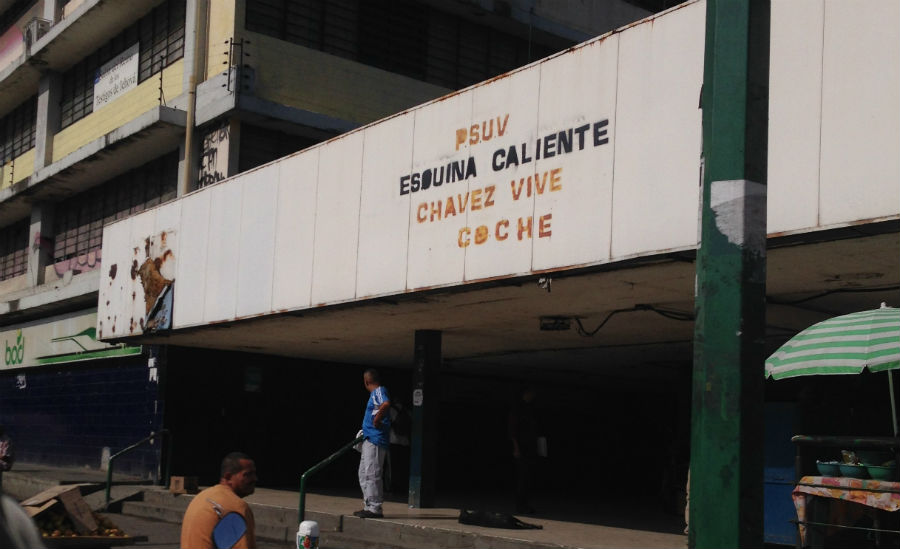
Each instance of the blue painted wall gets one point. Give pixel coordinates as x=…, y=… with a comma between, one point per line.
x=779, y=473
x=64, y=415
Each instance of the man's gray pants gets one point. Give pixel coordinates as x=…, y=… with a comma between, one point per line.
x=371, y=468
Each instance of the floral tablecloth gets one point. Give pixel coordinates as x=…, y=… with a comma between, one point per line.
x=880, y=494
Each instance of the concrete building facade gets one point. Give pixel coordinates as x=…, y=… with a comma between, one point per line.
x=535, y=229
x=110, y=108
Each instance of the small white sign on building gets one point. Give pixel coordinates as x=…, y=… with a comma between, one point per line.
x=115, y=77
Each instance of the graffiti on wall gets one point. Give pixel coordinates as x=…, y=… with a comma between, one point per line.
x=78, y=264
x=214, y=155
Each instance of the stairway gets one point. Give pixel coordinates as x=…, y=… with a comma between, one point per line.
x=273, y=523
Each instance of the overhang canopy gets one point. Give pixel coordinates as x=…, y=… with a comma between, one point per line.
x=581, y=168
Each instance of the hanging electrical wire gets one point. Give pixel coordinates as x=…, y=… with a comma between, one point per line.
x=776, y=301
x=672, y=314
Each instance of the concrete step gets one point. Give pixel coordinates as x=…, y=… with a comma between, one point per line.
x=264, y=530
x=267, y=534
x=27, y=480
x=96, y=500
x=273, y=523
x=166, y=498
x=23, y=487
x=386, y=533
x=152, y=511
x=280, y=524
x=264, y=514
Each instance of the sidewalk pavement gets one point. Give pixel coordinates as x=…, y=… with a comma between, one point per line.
x=571, y=524
x=444, y=522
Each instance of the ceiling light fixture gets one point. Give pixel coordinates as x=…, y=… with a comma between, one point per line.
x=555, y=323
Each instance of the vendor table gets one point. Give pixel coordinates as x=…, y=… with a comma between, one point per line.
x=873, y=494
x=878, y=494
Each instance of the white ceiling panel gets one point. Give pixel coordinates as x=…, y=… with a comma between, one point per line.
x=115, y=286
x=223, y=252
x=190, y=286
x=337, y=220
x=501, y=196
x=658, y=135
x=384, y=212
x=257, y=241
x=295, y=230
x=435, y=256
x=860, y=174
x=572, y=218
x=795, y=108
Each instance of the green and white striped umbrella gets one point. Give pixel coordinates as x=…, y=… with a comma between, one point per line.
x=844, y=344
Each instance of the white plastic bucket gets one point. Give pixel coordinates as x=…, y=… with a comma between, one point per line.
x=308, y=535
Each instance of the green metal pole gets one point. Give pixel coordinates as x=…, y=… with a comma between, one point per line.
x=726, y=491
x=301, y=508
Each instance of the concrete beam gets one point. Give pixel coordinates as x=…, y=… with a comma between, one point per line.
x=40, y=300
x=151, y=134
x=48, y=118
x=40, y=251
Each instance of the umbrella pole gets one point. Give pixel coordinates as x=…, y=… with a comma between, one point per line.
x=893, y=402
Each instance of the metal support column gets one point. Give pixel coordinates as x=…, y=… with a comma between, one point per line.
x=195, y=38
x=426, y=394
x=726, y=491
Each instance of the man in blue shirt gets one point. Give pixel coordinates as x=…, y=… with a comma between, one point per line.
x=376, y=428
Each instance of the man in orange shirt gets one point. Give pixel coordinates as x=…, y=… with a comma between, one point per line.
x=211, y=506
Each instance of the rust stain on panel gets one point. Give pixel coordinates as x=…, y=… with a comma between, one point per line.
x=112, y=270
x=153, y=282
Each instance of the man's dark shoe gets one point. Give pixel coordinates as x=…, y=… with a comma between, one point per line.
x=367, y=514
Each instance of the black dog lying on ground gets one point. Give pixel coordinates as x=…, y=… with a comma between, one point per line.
x=494, y=520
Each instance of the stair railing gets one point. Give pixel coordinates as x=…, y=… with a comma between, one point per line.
x=138, y=444
x=301, y=512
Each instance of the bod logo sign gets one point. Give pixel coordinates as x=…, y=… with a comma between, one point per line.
x=16, y=354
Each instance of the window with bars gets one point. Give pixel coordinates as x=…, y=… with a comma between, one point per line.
x=14, y=249
x=80, y=219
x=396, y=35
x=17, y=130
x=261, y=145
x=160, y=34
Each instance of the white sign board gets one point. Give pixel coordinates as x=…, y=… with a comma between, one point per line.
x=589, y=157
x=116, y=76
x=61, y=339
x=521, y=174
